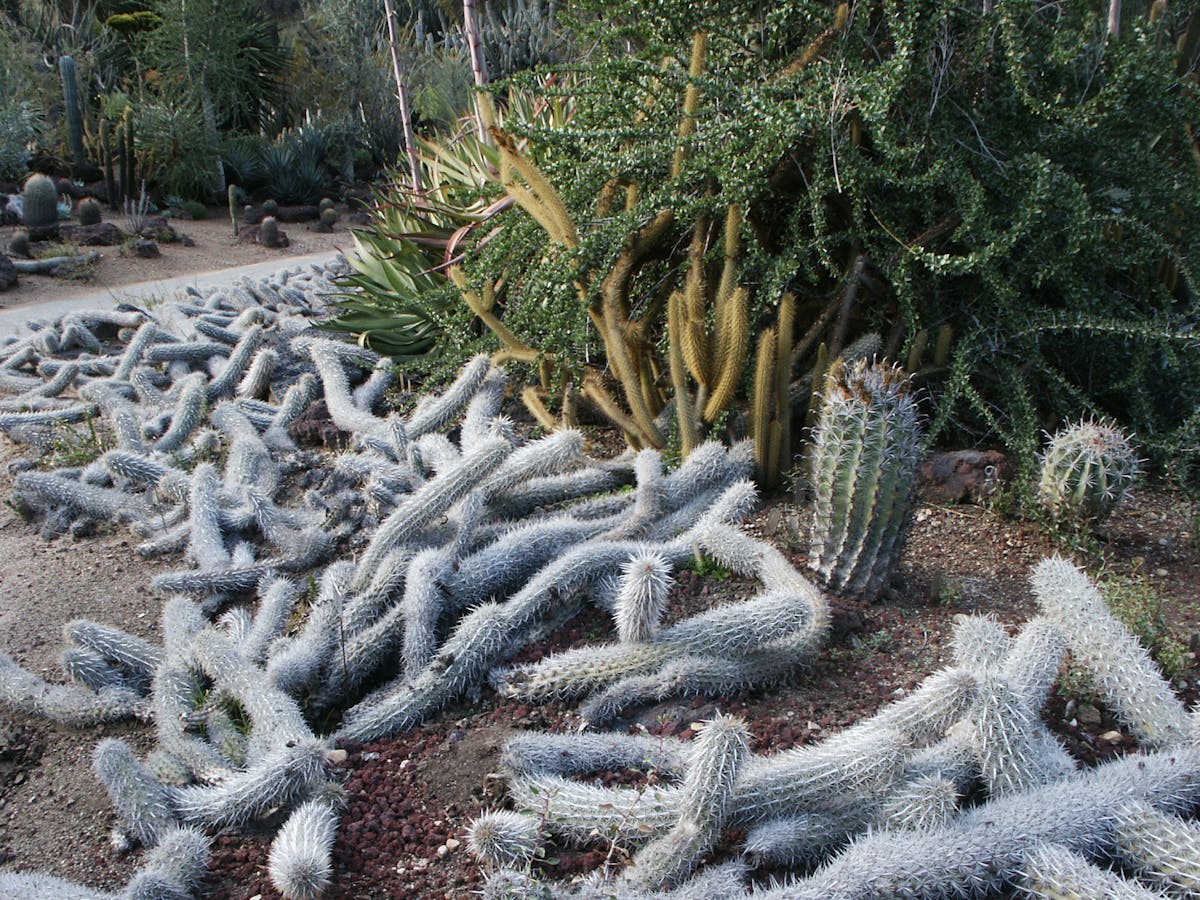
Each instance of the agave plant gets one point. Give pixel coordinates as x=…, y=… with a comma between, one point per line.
x=390, y=301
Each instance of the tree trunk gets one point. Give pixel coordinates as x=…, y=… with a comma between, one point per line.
x=410, y=140
x=483, y=116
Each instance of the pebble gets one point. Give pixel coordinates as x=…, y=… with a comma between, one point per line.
x=1113, y=737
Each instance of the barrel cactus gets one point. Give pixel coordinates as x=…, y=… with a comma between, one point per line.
x=89, y=212
x=40, y=202
x=1087, y=470
x=866, y=447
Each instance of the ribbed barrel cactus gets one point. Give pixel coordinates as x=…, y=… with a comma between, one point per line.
x=866, y=447
x=1087, y=470
x=40, y=202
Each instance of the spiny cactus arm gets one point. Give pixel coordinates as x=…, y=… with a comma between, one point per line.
x=582, y=812
x=951, y=759
x=207, y=543
x=927, y=713
x=642, y=597
x=136, y=467
x=1163, y=850
x=1052, y=872
x=235, y=367
x=273, y=713
x=804, y=838
x=143, y=804
x=551, y=491
x=41, y=489
x=1033, y=662
x=368, y=395
x=436, y=412
x=63, y=379
x=64, y=415
x=431, y=499
x=256, y=383
x=986, y=847
x=649, y=496
x=536, y=753
x=980, y=643
x=185, y=351
x=295, y=400
x=484, y=407
x=301, y=858
x=174, y=869
x=480, y=638
x=1006, y=736
x=287, y=774
x=342, y=409
x=694, y=675
x=249, y=462
x=731, y=629
x=175, y=693
x=277, y=599
x=213, y=583
x=422, y=607
x=364, y=609
x=139, y=656
x=574, y=673
x=722, y=746
x=859, y=762
x=1128, y=680
x=501, y=839
x=148, y=333
x=126, y=425
x=69, y=704
x=40, y=886
x=546, y=456
x=189, y=413
x=921, y=804
x=89, y=668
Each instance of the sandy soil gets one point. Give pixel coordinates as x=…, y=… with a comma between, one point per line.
x=215, y=248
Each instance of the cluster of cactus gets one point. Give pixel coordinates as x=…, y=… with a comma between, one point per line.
x=465, y=551
x=879, y=810
x=865, y=451
x=39, y=202
x=1087, y=469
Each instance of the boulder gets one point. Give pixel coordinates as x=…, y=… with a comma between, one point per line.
x=963, y=475
x=106, y=234
x=297, y=213
x=146, y=249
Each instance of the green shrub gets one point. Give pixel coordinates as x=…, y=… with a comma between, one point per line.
x=195, y=209
x=1136, y=603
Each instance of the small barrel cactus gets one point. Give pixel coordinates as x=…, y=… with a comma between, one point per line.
x=270, y=208
x=1087, y=470
x=40, y=202
x=329, y=217
x=89, y=212
x=866, y=447
x=326, y=203
x=269, y=232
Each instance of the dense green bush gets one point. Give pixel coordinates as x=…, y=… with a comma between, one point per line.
x=1021, y=176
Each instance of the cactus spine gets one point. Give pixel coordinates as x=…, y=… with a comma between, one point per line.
x=41, y=202
x=865, y=452
x=1086, y=471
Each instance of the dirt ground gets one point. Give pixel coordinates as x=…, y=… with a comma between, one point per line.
x=410, y=797
x=214, y=248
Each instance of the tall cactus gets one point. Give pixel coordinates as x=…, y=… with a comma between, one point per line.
x=74, y=108
x=1087, y=470
x=865, y=453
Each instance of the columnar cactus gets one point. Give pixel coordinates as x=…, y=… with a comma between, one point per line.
x=866, y=447
x=1087, y=470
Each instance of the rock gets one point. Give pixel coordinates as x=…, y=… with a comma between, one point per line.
x=963, y=475
x=185, y=241
x=43, y=232
x=8, y=273
x=1087, y=714
x=106, y=234
x=159, y=229
x=359, y=218
x=146, y=249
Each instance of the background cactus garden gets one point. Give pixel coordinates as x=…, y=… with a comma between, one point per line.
x=660, y=498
